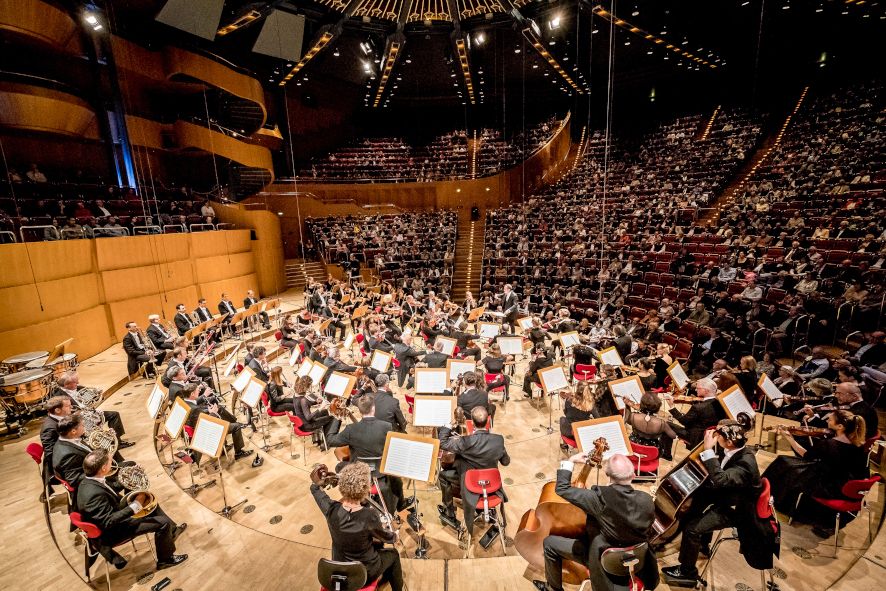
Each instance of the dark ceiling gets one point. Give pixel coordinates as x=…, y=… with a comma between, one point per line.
x=751, y=49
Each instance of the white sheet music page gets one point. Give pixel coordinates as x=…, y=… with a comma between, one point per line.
x=177, y=416
x=678, y=375
x=229, y=368
x=155, y=401
x=570, y=339
x=380, y=362
x=349, y=341
x=242, y=380
x=293, y=358
x=610, y=431
x=252, y=393
x=770, y=389
x=409, y=459
x=336, y=385
x=489, y=330
x=628, y=389
x=553, y=378
x=736, y=402
x=430, y=380
x=447, y=344
x=435, y=412
x=317, y=372
x=511, y=345
x=525, y=323
x=611, y=357
x=305, y=368
x=457, y=367
x=232, y=354
x=207, y=437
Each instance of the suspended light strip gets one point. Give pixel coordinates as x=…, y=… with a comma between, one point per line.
x=543, y=52
x=465, y=68
x=602, y=12
x=239, y=23
x=386, y=72
x=318, y=46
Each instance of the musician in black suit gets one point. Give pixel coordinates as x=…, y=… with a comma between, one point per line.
x=198, y=405
x=183, y=321
x=180, y=359
x=407, y=357
x=70, y=451
x=541, y=359
x=259, y=363
x=387, y=408
x=100, y=504
x=249, y=301
x=699, y=417
x=618, y=515
x=479, y=450
x=472, y=396
x=848, y=394
x=57, y=408
x=366, y=440
x=333, y=363
x=510, y=306
x=69, y=385
x=727, y=499
x=137, y=352
x=622, y=342
x=320, y=304
x=436, y=358
x=227, y=309
x=158, y=334
x=203, y=313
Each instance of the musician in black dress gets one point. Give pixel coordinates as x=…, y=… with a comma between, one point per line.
x=541, y=359
x=276, y=392
x=314, y=421
x=474, y=395
x=356, y=528
x=289, y=332
x=647, y=428
x=495, y=362
x=727, y=499
x=578, y=407
x=821, y=470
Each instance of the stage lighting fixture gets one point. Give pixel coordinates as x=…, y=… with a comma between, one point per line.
x=479, y=38
x=554, y=23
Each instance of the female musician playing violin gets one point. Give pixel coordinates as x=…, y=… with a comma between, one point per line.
x=647, y=428
x=276, y=394
x=820, y=470
x=662, y=360
x=311, y=421
x=495, y=362
x=646, y=374
x=289, y=331
x=578, y=407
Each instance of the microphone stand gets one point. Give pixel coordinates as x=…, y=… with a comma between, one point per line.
x=422, y=550
x=226, y=510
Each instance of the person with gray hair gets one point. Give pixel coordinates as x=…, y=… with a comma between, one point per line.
x=618, y=515
x=701, y=416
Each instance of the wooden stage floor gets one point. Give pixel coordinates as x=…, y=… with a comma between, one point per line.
x=273, y=541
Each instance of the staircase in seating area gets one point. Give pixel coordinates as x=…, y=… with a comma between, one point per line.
x=468, y=255
x=298, y=270
x=738, y=184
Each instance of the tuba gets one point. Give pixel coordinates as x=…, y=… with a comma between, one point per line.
x=134, y=479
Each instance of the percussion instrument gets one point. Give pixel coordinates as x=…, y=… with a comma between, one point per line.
x=27, y=387
x=18, y=362
x=59, y=365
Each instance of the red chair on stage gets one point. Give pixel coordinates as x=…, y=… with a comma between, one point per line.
x=35, y=450
x=584, y=373
x=91, y=534
x=645, y=461
x=491, y=377
x=568, y=442
x=266, y=401
x=298, y=431
x=855, y=493
x=410, y=402
x=486, y=483
x=343, y=576
x=470, y=428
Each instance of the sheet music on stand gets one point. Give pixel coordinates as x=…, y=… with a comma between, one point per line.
x=305, y=367
x=678, y=375
x=457, y=367
x=475, y=314
x=610, y=356
x=155, y=399
x=734, y=402
x=553, y=378
x=488, y=330
x=448, y=344
x=242, y=379
x=251, y=394
x=209, y=435
x=381, y=361
x=175, y=421
x=293, y=357
x=511, y=345
x=612, y=429
x=630, y=388
x=232, y=354
x=525, y=323
x=769, y=389
x=349, y=341
x=569, y=339
x=229, y=368
x=410, y=456
x=433, y=411
x=430, y=380
x=339, y=384
x=317, y=372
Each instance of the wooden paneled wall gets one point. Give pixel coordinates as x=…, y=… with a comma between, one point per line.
x=35, y=108
x=267, y=247
x=88, y=289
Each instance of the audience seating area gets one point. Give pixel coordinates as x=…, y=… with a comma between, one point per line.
x=36, y=210
x=798, y=260
x=444, y=158
x=417, y=246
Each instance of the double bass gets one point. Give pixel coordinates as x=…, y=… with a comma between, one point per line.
x=555, y=516
x=673, y=496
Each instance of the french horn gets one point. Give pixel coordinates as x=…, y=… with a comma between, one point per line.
x=134, y=479
x=88, y=398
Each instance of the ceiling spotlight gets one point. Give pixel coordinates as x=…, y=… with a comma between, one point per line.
x=517, y=50
x=552, y=42
x=554, y=23
x=635, y=13
x=534, y=66
x=685, y=42
x=479, y=38
x=336, y=53
x=97, y=28
x=595, y=31
x=365, y=47
x=91, y=19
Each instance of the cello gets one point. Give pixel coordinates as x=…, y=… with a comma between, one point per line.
x=555, y=516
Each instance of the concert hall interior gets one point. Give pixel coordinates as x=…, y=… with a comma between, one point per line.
x=442, y=294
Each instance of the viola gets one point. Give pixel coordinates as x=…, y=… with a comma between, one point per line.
x=801, y=430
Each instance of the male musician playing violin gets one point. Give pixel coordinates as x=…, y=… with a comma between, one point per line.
x=727, y=499
x=356, y=528
x=618, y=515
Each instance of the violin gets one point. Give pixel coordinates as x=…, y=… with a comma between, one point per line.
x=339, y=409
x=322, y=477
x=801, y=430
x=687, y=399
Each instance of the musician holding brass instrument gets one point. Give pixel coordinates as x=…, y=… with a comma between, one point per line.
x=159, y=335
x=87, y=399
x=140, y=350
x=100, y=505
x=356, y=528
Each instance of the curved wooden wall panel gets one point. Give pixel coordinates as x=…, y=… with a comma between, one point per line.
x=41, y=21
x=180, y=62
x=145, y=132
x=190, y=135
x=34, y=108
x=267, y=248
x=90, y=288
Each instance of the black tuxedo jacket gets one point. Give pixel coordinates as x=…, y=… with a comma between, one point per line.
x=48, y=438
x=255, y=366
x=129, y=345
x=510, y=307
x=247, y=302
x=203, y=314
x=699, y=417
x=366, y=438
x=471, y=399
x=67, y=461
x=481, y=449
x=154, y=333
x=387, y=408
x=100, y=505
x=436, y=359
x=226, y=308
x=183, y=323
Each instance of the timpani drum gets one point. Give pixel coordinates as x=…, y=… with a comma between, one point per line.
x=59, y=365
x=18, y=362
x=28, y=387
